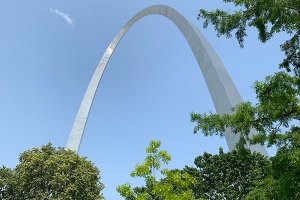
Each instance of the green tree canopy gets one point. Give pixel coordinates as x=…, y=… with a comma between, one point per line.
x=269, y=17
x=276, y=116
x=50, y=173
x=229, y=175
x=176, y=185
x=5, y=176
x=224, y=176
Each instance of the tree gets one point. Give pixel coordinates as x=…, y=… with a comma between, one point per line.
x=224, y=176
x=276, y=115
x=264, y=190
x=49, y=173
x=268, y=17
x=228, y=175
x=175, y=186
x=273, y=117
x=5, y=176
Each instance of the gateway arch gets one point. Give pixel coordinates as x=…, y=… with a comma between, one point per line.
x=221, y=87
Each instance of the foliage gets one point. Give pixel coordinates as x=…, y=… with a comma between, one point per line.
x=278, y=107
x=284, y=180
x=228, y=175
x=286, y=171
x=268, y=17
x=5, y=176
x=175, y=186
x=276, y=116
x=224, y=176
x=49, y=173
x=264, y=190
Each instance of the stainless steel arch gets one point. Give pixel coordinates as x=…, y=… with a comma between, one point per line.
x=222, y=90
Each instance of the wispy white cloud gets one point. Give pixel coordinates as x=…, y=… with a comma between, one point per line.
x=65, y=16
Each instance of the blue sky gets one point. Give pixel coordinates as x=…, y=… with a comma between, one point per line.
x=50, y=49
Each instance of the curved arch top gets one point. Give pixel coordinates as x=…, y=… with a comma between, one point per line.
x=221, y=87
